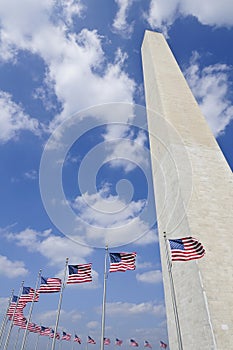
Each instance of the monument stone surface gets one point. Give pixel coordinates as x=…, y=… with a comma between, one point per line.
x=193, y=188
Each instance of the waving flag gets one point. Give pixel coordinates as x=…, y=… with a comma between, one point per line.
x=90, y=340
x=187, y=248
x=32, y=327
x=163, y=345
x=107, y=341
x=147, y=344
x=44, y=330
x=52, y=334
x=133, y=342
x=15, y=306
x=65, y=336
x=122, y=261
x=50, y=285
x=118, y=342
x=79, y=273
x=20, y=321
x=28, y=295
x=77, y=339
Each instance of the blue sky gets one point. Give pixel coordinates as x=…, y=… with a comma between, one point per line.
x=75, y=171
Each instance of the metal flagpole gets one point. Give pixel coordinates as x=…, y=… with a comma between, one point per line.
x=12, y=320
x=104, y=300
x=59, y=305
x=48, y=343
x=174, y=304
x=5, y=319
x=30, y=312
x=1, y=340
x=37, y=341
x=17, y=338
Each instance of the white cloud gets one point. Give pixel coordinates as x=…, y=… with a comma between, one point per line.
x=211, y=87
x=120, y=24
x=106, y=219
x=93, y=325
x=13, y=119
x=162, y=14
x=210, y=12
x=49, y=317
x=128, y=152
x=72, y=60
x=12, y=269
x=55, y=248
x=31, y=175
x=123, y=308
x=154, y=276
x=71, y=9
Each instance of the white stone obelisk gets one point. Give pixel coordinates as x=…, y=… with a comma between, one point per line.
x=193, y=187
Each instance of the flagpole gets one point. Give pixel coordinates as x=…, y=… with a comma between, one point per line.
x=59, y=305
x=48, y=342
x=17, y=338
x=13, y=316
x=4, y=322
x=30, y=311
x=174, y=304
x=37, y=341
x=104, y=300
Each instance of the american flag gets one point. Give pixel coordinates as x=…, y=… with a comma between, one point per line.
x=107, y=341
x=50, y=285
x=122, y=261
x=20, y=321
x=118, y=342
x=90, y=340
x=23, y=324
x=187, y=248
x=15, y=306
x=77, y=339
x=44, y=330
x=133, y=342
x=32, y=327
x=79, y=273
x=65, y=336
x=163, y=345
x=28, y=295
x=147, y=344
x=52, y=334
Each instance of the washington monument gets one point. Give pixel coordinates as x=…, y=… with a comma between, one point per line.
x=193, y=187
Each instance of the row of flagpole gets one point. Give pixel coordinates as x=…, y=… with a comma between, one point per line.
x=182, y=249
x=126, y=257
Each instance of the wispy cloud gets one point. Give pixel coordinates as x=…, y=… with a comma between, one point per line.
x=124, y=308
x=14, y=119
x=12, y=269
x=211, y=87
x=154, y=276
x=120, y=24
x=162, y=14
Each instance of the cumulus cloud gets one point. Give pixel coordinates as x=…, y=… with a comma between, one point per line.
x=72, y=60
x=124, y=308
x=54, y=248
x=112, y=220
x=14, y=119
x=12, y=269
x=162, y=14
x=93, y=325
x=211, y=87
x=49, y=317
x=128, y=152
x=154, y=276
x=120, y=24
